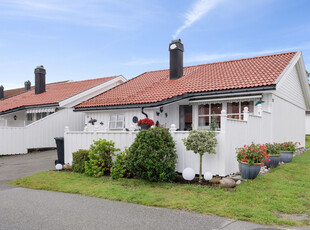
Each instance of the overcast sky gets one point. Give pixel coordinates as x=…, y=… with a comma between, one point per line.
x=77, y=40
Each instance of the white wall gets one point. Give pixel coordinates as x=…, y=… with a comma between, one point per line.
x=233, y=134
x=288, y=121
x=307, y=124
x=172, y=111
x=289, y=88
x=12, y=140
x=39, y=134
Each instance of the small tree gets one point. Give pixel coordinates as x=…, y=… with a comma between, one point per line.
x=201, y=141
x=213, y=124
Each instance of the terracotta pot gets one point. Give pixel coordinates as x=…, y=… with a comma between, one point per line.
x=249, y=171
x=274, y=161
x=286, y=156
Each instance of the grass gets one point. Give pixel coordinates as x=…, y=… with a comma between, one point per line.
x=285, y=189
x=307, y=141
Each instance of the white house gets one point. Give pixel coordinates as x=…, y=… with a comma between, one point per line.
x=32, y=119
x=261, y=99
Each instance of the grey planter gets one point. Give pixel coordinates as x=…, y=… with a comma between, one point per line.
x=143, y=126
x=274, y=161
x=249, y=171
x=286, y=156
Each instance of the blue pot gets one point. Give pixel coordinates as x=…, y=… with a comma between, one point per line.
x=274, y=161
x=249, y=171
x=286, y=156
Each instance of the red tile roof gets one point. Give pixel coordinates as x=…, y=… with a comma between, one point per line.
x=13, y=92
x=155, y=86
x=54, y=93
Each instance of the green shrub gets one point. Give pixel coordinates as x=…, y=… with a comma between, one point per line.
x=152, y=156
x=100, y=158
x=79, y=159
x=119, y=168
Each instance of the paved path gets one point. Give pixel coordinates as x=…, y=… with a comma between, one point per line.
x=33, y=209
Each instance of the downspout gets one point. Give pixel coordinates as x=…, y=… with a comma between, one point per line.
x=144, y=112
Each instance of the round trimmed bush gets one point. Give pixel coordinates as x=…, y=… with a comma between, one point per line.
x=152, y=156
x=79, y=159
x=100, y=158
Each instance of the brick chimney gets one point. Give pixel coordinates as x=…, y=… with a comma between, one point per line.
x=39, y=73
x=1, y=92
x=176, y=50
x=27, y=85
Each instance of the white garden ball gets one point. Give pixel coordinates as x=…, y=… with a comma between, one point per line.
x=208, y=176
x=58, y=167
x=188, y=174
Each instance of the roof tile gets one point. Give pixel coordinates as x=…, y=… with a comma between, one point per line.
x=155, y=86
x=54, y=93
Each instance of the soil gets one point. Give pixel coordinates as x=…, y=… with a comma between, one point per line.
x=212, y=183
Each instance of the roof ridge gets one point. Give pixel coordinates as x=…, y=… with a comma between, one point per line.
x=68, y=81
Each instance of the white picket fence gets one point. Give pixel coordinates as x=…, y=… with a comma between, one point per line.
x=39, y=134
x=233, y=134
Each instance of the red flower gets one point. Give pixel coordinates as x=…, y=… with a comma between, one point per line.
x=146, y=121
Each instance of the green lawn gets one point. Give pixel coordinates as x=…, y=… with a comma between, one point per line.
x=285, y=189
x=307, y=141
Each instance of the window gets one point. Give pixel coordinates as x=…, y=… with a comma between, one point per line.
x=116, y=122
x=29, y=117
x=235, y=109
x=185, y=117
x=206, y=112
x=39, y=116
x=44, y=114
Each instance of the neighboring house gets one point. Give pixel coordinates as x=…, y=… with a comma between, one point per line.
x=33, y=118
x=261, y=99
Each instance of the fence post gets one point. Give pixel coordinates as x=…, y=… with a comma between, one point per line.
x=67, y=129
x=259, y=110
x=131, y=128
x=173, y=128
x=246, y=114
x=223, y=120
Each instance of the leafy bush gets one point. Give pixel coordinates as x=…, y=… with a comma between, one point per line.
x=273, y=149
x=152, y=156
x=119, y=168
x=201, y=141
x=79, y=159
x=289, y=146
x=100, y=158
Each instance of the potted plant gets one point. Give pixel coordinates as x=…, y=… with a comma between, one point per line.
x=145, y=123
x=287, y=151
x=251, y=158
x=274, y=153
x=201, y=142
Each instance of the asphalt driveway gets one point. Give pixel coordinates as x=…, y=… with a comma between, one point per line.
x=22, y=208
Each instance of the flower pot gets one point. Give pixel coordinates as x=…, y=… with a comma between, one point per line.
x=249, y=171
x=143, y=126
x=274, y=161
x=286, y=156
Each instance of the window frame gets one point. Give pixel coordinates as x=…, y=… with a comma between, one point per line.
x=210, y=114
x=115, y=126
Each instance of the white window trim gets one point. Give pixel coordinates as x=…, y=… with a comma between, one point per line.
x=116, y=121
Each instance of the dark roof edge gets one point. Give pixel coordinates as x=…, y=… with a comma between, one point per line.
x=177, y=98
x=28, y=107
